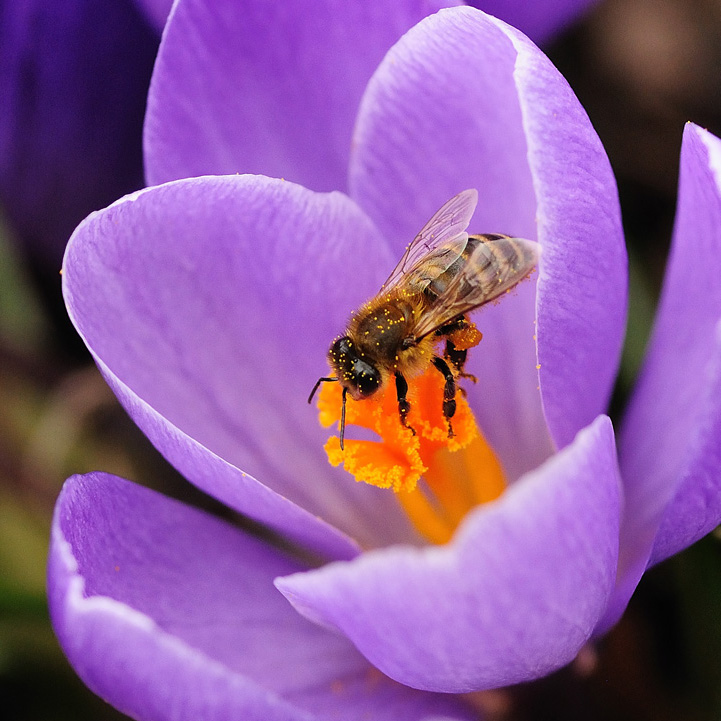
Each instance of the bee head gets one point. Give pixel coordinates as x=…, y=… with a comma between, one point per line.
x=357, y=375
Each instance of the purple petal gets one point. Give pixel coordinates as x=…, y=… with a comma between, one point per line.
x=539, y=19
x=73, y=81
x=670, y=446
x=514, y=595
x=465, y=101
x=168, y=613
x=271, y=88
x=209, y=305
x=695, y=509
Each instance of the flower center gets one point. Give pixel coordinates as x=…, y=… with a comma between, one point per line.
x=437, y=478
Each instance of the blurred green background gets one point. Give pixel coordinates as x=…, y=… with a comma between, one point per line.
x=641, y=68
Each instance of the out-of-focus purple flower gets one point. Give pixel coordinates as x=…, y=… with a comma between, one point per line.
x=74, y=79
x=208, y=304
x=156, y=11
x=539, y=20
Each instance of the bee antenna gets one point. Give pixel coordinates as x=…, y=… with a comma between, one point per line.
x=317, y=383
x=342, y=419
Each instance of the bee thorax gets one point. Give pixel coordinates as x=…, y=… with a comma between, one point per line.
x=380, y=331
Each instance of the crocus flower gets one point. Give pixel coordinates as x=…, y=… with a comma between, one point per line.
x=74, y=79
x=208, y=304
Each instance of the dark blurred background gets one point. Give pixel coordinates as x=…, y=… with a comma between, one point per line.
x=641, y=68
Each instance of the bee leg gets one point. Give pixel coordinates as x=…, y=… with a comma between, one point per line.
x=404, y=405
x=456, y=357
x=449, y=392
x=458, y=360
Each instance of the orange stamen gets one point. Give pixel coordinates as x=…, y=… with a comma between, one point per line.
x=455, y=473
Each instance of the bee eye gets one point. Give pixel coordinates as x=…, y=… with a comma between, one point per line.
x=359, y=375
x=367, y=378
x=341, y=346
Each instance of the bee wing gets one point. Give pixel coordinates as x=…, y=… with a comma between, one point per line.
x=444, y=233
x=495, y=265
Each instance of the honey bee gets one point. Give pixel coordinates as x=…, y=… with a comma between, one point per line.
x=443, y=275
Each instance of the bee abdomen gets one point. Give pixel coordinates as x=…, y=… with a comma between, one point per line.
x=501, y=261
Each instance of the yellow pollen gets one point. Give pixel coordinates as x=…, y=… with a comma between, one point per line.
x=467, y=337
x=437, y=478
